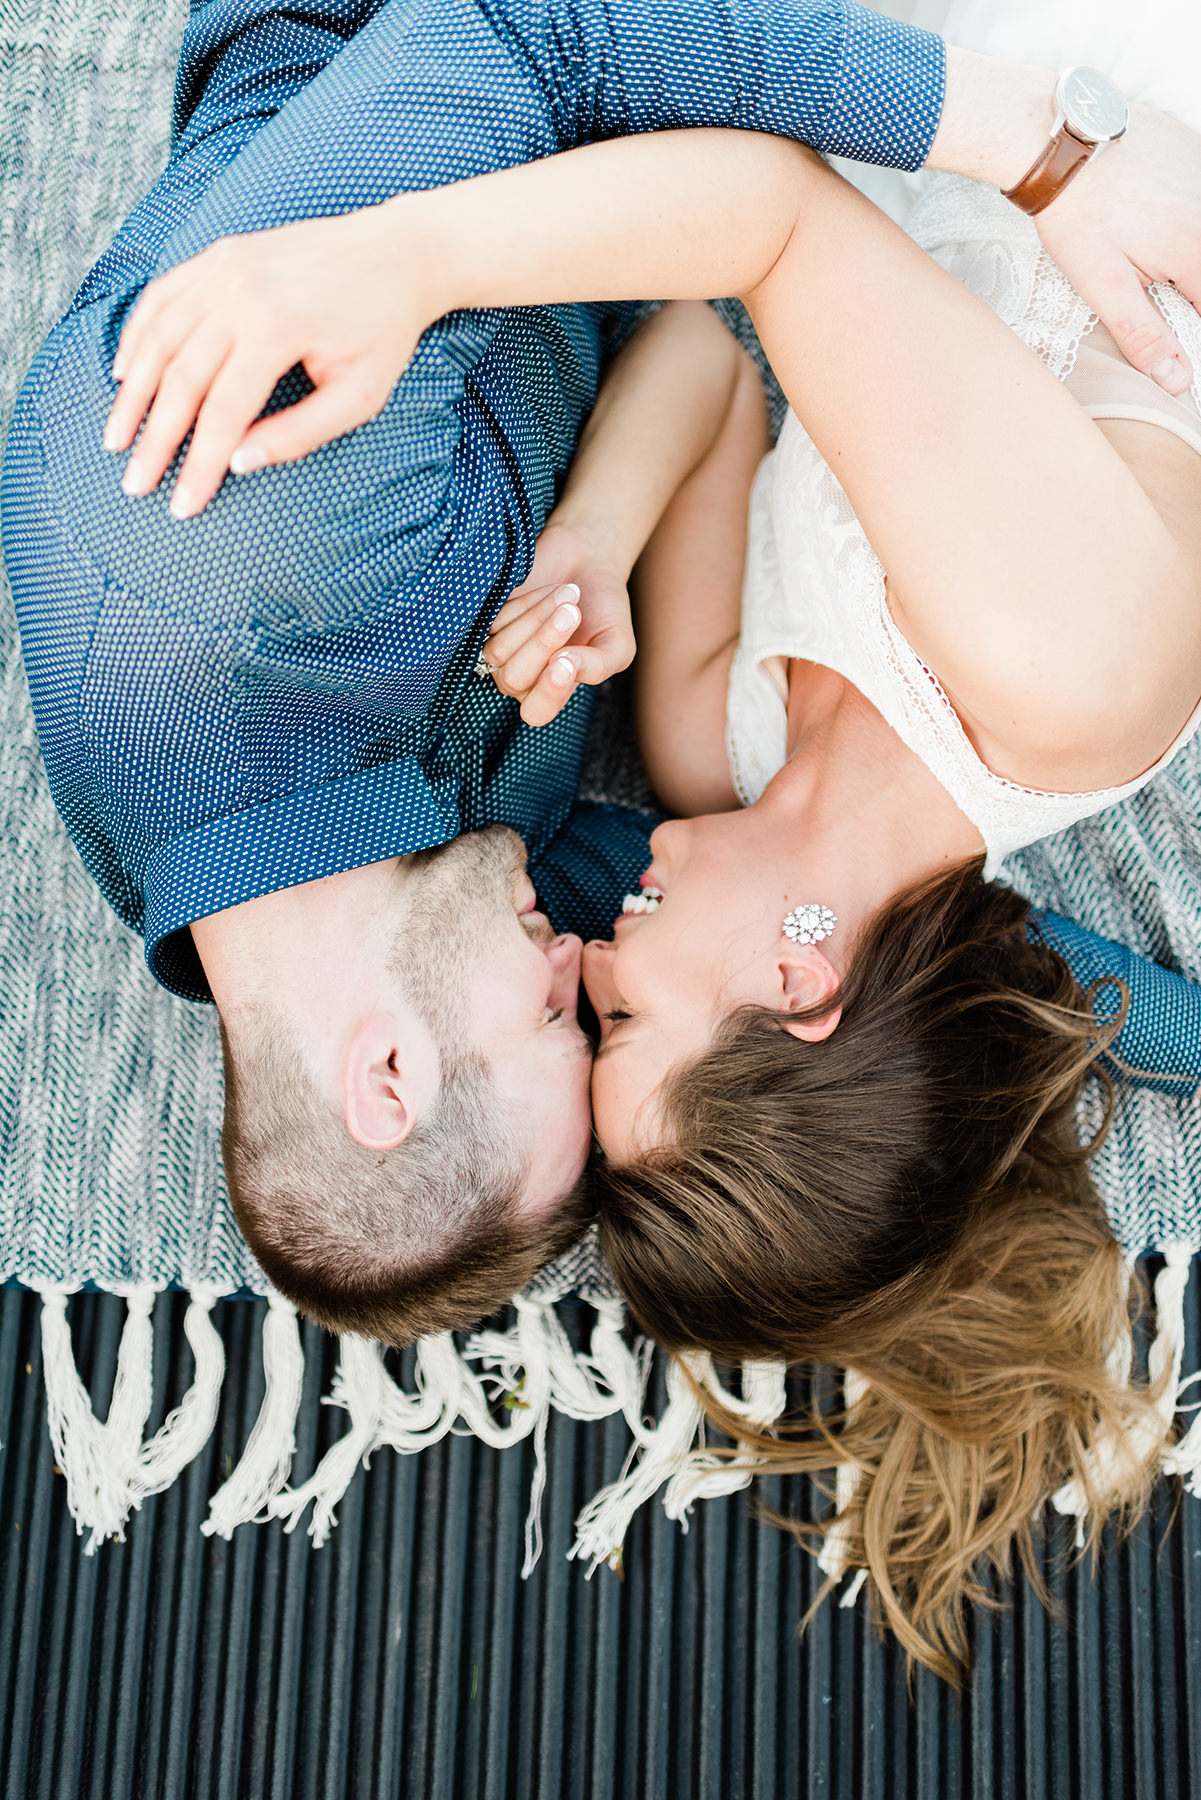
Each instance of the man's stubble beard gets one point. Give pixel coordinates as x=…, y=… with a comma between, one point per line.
x=456, y=900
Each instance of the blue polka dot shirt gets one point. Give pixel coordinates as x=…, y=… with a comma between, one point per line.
x=282, y=688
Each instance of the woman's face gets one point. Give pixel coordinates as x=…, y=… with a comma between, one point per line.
x=714, y=942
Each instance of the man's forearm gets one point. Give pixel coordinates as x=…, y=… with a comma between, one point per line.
x=996, y=117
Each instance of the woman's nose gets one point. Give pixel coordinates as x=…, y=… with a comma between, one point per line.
x=564, y=957
x=598, y=981
x=668, y=840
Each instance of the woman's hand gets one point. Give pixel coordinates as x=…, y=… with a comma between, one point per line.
x=1134, y=218
x=207, y=343
x=569, y=623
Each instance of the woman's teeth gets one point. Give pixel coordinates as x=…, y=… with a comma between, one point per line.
x=647, y=901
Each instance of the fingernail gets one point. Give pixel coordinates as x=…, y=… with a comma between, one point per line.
x=246, y=460
x=562, y=671
x=1170, y=375
x=569, y=591
x=566, y=617
x=110, y=437
x=183, y=503
x=135, y=480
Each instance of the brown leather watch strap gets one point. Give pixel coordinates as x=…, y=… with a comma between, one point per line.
x=1046, y=179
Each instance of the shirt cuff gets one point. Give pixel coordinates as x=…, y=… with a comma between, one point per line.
x=889, y=95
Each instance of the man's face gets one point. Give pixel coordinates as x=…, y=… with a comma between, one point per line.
x=484, y=969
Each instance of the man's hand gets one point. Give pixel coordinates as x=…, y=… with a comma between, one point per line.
x=569, y=623
x=207, y=343
x=1131, y=217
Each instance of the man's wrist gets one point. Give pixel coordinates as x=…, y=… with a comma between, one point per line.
x=996, y=118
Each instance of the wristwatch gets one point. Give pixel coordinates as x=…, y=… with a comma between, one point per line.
x=1090, y=113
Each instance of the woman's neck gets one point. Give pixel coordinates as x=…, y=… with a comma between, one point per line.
x=865, y=806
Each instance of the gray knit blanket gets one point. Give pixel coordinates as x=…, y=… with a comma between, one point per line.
x=110, y=1088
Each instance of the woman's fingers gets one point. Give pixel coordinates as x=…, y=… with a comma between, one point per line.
x=577, y=666
x=518, y=604
x=237, y=394
x=181, y=389
x=147, y=319
x=165, y=335
x=332, y=409
x=520, y=652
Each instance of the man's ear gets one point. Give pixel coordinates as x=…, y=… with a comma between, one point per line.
x=386, y=1083
x=807, y=978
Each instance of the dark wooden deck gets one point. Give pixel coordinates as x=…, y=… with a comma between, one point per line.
x=407, y=1658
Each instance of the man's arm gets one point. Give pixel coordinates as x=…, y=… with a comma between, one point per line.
x=590, y=864
x=529, y=78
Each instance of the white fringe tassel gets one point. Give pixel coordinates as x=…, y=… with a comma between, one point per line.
x=532, y=1368
x=502, y=1387
x=185, y=1431
x=1115, y=1453
x=265, y=1463
x=672, y=1458
x=1183, y=1458
x=832, y=1559
x=108, y=1469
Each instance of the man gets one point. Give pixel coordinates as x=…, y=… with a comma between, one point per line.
x=260, y=716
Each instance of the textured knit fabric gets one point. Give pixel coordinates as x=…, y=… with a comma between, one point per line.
x=110, y=1087
x=282, y=688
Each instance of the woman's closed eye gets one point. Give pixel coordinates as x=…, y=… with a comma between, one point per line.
x=616, y=1016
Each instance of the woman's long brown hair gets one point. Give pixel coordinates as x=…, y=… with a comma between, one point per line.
x=908, y=1198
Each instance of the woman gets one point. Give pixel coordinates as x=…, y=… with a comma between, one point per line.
x=902, y=1190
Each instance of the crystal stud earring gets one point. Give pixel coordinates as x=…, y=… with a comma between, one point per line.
x=809, y=924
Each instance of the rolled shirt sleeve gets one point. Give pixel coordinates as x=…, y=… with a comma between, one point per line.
x=1159, y=1044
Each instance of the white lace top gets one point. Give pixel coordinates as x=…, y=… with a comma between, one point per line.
x=814, y=588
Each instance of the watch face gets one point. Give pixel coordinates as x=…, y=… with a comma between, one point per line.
x=1092, y=105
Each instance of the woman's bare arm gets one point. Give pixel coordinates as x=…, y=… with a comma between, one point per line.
x=660, y=410
x=688, y=608
x=1026, y=564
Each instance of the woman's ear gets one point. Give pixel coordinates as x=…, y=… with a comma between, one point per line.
x=806, y=979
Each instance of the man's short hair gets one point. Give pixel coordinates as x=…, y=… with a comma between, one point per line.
x=389, y=1244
